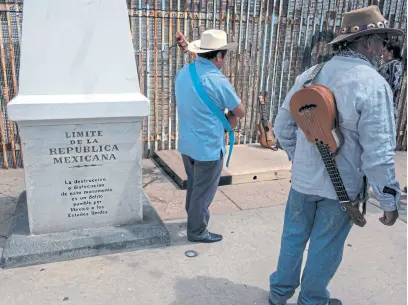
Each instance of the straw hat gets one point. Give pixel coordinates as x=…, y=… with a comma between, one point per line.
x=211, y=40
x=364, y=21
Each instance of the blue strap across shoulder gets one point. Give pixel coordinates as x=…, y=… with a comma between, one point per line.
x=211, y=105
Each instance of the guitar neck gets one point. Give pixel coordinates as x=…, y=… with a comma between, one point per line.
x=262, y=112
x=331, y=166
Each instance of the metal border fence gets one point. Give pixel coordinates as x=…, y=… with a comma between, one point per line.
x=278, y=40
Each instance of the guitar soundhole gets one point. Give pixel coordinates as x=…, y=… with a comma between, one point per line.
x=307, y=107
x=254, y=177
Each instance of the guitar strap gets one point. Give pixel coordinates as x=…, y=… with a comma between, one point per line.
x=211, y=105
x=347, y=205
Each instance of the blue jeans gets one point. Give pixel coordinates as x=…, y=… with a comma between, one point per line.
x=323, y=222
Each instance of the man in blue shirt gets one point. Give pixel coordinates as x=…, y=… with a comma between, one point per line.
x=201, y=133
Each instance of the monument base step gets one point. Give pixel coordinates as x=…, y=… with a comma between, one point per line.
x=249, y=163
x=22, y=249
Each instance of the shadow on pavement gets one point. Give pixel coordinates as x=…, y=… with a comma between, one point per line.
x=178, y=232
x=203, y=290
x=7, y=210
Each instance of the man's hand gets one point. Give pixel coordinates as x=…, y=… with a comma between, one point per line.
x=232, y=119
x=389, y=218
x=183, y=43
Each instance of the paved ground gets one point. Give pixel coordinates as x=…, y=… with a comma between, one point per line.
x=235, y=271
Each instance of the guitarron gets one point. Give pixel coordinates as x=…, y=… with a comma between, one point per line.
x=314, y=110
x=266, y=138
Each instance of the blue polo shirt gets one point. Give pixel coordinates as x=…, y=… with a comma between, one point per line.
x=201, y=134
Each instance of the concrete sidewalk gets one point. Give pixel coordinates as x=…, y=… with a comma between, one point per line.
x=235, y=271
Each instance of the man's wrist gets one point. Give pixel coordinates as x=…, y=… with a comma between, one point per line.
x=230, y=113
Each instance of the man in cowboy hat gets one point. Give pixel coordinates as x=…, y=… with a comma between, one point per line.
x=201, y=132
x=365, y=110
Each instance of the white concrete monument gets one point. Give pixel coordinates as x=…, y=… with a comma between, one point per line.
x=79, y=110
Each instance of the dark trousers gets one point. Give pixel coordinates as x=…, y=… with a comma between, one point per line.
x=202, y=182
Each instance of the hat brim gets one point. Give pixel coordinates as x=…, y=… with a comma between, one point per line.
x=351, y=36
x=195, y=47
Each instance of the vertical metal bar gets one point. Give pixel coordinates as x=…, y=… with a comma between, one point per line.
x=238, y=51
x=283, y=56
x=177, y=64
x=163, y=25
x=233, y=55
x=3, y=141
x=18, y=16
x=132, y=33
x=156, y=102
x=237, y=64
x=292, y=38
x=171, y=13
x=192, y=26
x=320, y=33
x=327, y=30
x=220, y=11
x=268, y=74
x=256, y=76
x=214, y=13
x=249, y=73
x=15, y=82
x=228, y=16
x=272, y=105
x=300, y=37
x=185, y=15
x=389, y=9
x=12, y=53
x=265, y=30
x=149, y=139
x=244, y=69
x=132, y=24
x=141, y=76
x=336, y=16
x=207, y=15
x=400, y=22
x=7, y=100
x=396, y=12
x=352, y=4
x=355, y=4
x=7, y=96
x=226, y=68
x=252, y=57
x=312, y=41
x=200, y=10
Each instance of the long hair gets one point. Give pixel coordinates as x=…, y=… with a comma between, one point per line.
x=395, y=48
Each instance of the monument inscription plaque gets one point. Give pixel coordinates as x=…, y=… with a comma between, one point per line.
x=90, y=172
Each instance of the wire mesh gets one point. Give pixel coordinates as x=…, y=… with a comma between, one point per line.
x=278, y=40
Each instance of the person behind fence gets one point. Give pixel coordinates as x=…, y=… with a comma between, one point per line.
x=202, y=95
x=391, y=69
x=366, y=118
